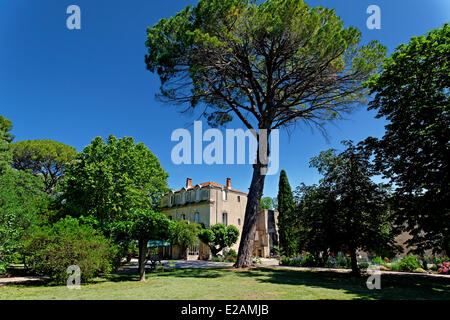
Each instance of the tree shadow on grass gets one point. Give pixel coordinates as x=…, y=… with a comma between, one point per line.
x=132, y=274
x=393, y=287
x=206, y=273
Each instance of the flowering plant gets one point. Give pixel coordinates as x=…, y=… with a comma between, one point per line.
x=444, y=268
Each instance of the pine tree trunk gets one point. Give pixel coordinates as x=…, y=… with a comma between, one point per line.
x=142, y=258
x=355, y=269
x=245, y=254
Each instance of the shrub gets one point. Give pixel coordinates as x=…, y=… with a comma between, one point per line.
x=344, y=262
x=363, y=264
x=284, y=261
x=308, y=260
x=50, y=250
x=441, y=260
x=444, y=268
x=276, y=251
x=216, y=259
x=288, y=261
x=378, y=261
x=395, y=265
x=230, y=256
x=331, y=262
x=410, y=263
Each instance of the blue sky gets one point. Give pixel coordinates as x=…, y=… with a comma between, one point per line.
x=74, y=85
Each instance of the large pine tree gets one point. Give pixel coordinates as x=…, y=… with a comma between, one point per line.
x=272, y=64
x=285, y=218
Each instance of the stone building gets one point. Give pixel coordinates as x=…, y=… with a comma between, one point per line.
x=266, y=233
x=210, y=203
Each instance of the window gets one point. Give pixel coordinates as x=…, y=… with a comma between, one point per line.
x=197, y=194
x=183, y=217
x=196, y=217
x=224, y=195
x=239, y=198
x=239, y=221
x=171, y=200
x=183, y=197
x=188, y=196
x=225, y=218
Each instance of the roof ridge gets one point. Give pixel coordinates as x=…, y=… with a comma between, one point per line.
x=203, y=184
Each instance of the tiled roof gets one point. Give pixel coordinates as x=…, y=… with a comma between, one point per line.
x=210, y=183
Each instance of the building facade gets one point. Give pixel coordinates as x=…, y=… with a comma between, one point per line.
x=207, y=204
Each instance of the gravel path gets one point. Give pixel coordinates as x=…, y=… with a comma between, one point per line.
x=22, y=280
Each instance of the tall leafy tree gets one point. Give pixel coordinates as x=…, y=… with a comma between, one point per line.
x=5, y=139
x=412, y=93
x=219, y=237
x=185, y=234
x=5, y=128
x=272, y=64
x=20, y=194
x=47, y=159
x=147, y=225
x=112, y=177
x=315, y=227
x=361, y=218
x=286, y=215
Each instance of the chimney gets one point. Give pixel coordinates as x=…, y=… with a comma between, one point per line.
x=188, y=183
x=228, y=183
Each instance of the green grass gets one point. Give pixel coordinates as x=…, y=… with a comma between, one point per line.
x=223, y=283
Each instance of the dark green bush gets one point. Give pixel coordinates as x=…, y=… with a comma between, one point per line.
x=230, y=255
x=441, y=260
x=50, y=250
x=363, y=264
x=410, y=263
x=378, y=261
x=308, y=260
x=344, y=262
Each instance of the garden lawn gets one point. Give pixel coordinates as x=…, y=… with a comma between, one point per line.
x=228, y=283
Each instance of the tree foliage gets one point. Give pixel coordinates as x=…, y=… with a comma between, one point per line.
x=5, y=139
x=111, y=178
x=347, y=210
x=51, y=249
x=149, y=225
x=219, y=237
x=412, y=93
x=20, y=199
x=272, y=64
x=20, y=204
x=268, y=203
x=45, y=158
x=185, y=234
x=5, y=128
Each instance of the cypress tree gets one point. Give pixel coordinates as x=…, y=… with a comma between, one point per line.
x=5, y=140
x=286, y=212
